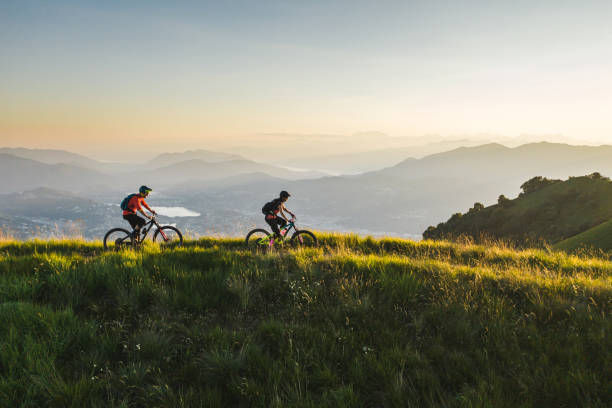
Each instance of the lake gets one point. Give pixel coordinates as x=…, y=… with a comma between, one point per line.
x=175, y=212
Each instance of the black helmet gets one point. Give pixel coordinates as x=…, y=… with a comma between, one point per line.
x=284, y=194
x=144, y=190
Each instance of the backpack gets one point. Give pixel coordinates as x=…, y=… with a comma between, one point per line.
x=269, y=207
x=126, y=200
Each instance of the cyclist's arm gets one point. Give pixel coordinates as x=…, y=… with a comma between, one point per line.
x=282, y=209
x=143, y=213
x=147, y=207
x=282, y=213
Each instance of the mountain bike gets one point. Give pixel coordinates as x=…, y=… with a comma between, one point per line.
x=167, y=235
x=260, y=238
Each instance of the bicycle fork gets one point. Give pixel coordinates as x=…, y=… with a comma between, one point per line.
x=163, y=234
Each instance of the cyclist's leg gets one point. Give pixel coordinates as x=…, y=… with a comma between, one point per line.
x=281, y=223
x=136, y=223
x=272, y=221
x=140, y=222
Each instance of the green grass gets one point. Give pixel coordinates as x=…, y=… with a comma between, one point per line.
x=596, y=238
x=355, y=322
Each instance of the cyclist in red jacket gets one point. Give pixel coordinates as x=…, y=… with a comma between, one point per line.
x=135, y=203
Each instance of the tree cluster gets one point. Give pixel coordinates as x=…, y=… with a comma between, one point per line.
x=536, y=183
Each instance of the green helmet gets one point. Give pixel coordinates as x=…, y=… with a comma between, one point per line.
x=144, y=190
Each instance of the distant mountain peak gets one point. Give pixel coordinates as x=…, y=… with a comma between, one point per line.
x=208, y=156
x=483, y=147
x=47, y=156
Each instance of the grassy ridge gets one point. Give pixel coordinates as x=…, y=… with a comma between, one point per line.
x=358, y=322
x=550, y=213
x=598, y=238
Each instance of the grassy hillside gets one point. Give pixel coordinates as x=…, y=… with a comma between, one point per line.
x=599, y=238
x=550, y=212
x=356, y=322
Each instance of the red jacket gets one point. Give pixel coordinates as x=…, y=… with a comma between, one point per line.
x=135, y=204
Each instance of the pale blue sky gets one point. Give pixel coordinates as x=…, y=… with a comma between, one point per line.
x=193, y=72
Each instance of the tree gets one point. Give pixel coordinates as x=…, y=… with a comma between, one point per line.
x=597, y=176
x=536, y=183
x=430, y=233
x=503, y=201
x=477, y=207
x=455, y=217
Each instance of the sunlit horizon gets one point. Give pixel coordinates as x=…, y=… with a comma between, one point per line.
x=122, y=77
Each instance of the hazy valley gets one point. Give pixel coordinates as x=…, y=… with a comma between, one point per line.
x=46, y=191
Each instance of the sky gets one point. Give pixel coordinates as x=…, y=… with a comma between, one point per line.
x=93, y=76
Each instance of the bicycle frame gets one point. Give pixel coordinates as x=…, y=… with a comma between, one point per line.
x=266, y=240
x=144, y=231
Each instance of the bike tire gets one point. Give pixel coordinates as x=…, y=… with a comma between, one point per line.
x=304, y=238
x=175, y=232
x=115, y=244
x=255, y=235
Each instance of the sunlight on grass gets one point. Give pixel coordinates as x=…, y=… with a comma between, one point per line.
x=353, y=321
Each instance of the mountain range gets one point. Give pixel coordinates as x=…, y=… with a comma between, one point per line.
x=401, y=199
x=415, y=193
x=167, y=159
x=371, y=160
x=18, y=173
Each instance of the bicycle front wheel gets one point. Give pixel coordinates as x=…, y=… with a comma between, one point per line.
x=258, y=238
x=304, y=238
x=118, y=238
x=168, y=236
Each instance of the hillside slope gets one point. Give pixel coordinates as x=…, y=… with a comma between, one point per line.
x=547, y=210
x=355, y=322
x=599, y=237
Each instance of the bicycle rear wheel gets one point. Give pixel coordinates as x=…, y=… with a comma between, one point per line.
x=168, y=236
x=257, y=238
x=303, y=238
x=118, y=238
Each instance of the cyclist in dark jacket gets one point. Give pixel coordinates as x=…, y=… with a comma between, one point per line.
x=272, y=211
